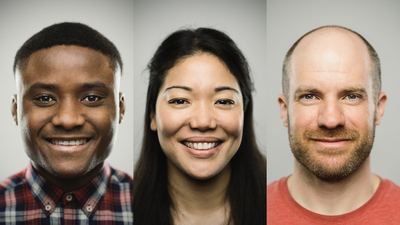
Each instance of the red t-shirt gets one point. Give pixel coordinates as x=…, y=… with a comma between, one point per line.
x=383, y=208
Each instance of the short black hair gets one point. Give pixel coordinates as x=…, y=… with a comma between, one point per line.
x=67, y=33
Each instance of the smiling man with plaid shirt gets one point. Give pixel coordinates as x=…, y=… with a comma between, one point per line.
x=68, y=107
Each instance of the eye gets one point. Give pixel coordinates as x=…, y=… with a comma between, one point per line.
x=309, y=97
x=178, y=101
x=352, y=97
x=225, y=102
x=91, y=98
x=45, y=100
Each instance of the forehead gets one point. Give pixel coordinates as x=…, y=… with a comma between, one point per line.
x=199, y=71
x=331, y=55
x=60, y=61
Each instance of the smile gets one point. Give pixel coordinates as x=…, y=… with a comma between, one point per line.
x=69, y=143
x=201, y=146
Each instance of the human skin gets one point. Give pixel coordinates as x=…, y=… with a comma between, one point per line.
x=199, y=102
x=331, y=89
x=68, y=109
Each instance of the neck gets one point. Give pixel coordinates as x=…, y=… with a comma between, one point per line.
x=198, y=198
x=69, y=184
x=333, y=198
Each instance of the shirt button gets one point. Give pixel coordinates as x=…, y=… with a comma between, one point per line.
x=68, y=197
x=48, y=207
x=89, y=208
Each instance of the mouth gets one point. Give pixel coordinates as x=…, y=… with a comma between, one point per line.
x=330, y=139
x=71, y=142
x=332, y=143
x=201, y=145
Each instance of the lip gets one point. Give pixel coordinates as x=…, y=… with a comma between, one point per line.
x=203, y=154
x=202, y=139
x=68, y=148
x=332, y=143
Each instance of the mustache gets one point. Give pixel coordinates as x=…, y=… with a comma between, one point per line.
x=339, y=133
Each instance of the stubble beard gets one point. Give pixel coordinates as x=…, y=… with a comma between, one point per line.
x=304, y=151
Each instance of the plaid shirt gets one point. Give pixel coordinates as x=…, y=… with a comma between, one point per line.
x=27, y=198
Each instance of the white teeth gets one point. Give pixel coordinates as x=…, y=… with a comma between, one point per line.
x=68, y=143
x=201, y=146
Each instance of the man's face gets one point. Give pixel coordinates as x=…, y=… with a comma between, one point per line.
x=68, y=108
x=331, y=113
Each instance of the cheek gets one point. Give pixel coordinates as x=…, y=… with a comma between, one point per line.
x=32, y=120
x=232, y=122
x=168, y=123
x=360, y=117
x=301, y=117
x=103, y=120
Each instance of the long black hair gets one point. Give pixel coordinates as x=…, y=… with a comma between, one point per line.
x=247, y=187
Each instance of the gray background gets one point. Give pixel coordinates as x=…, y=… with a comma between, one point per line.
x=379, y=23
x=243, y=21
x=19, y=20
x=246, y=22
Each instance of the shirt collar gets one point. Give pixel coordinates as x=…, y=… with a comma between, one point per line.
x=48, y=195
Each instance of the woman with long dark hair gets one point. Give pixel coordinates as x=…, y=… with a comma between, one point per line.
x=199, y=161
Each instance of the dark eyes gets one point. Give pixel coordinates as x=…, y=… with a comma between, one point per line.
x=91, y=98
x=45, y=99
x=225, y=102
x=178, y=101
x=184, y=101
x=48, y=100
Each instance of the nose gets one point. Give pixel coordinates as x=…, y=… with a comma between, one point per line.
x=331, y=115
x=68, y=115
x=202, y=118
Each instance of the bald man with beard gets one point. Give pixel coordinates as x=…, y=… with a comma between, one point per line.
x=331, y=103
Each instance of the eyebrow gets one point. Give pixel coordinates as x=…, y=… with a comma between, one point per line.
x=96, y=84
x=179, y=87
x=355, y=89
x=40, y=85
x=218, y=89
x=314, y=90
x=306, y=89
x=225, y=88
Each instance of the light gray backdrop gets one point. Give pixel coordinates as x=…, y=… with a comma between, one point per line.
x=379, y=23
x=19, y=20
x=243, y=21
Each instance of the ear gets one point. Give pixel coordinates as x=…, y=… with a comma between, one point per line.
x=14, y=109
x=380, y=107
x=153, y=124
x=283, y=105
x=121, y=107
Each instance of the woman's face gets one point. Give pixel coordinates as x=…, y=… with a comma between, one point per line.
x=199, y=116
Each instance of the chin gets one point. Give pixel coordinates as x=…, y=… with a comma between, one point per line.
x=69, y=172
x=204, y=173
x=202, y=176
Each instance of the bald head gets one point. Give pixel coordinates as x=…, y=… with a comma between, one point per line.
x=331, y=49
